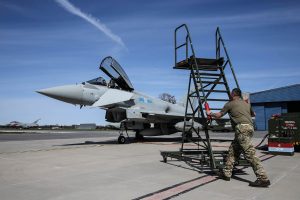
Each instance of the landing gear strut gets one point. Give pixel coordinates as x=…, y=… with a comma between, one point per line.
x=122, y=138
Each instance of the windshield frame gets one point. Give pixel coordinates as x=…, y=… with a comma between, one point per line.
x=97, y=81
x=113, y=69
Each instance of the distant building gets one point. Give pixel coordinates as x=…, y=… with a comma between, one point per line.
x=86, y=126
x=275, y=101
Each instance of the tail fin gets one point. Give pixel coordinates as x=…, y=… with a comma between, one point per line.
x=36, y=121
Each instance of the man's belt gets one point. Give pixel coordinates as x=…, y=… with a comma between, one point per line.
x=245, y=124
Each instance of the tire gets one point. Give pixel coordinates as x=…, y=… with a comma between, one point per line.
x=121, y=139
x=165, y=159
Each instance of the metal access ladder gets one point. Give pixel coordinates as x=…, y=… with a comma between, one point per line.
x=207, y=84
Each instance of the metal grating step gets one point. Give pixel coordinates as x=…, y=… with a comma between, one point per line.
x=217, y=99
x=217, y=91
x=207, y=74
x=210, y=82
x=206, y=64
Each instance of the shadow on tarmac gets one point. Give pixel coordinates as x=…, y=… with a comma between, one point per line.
x=129, y=141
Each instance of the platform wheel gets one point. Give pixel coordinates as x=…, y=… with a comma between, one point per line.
x=165, y=159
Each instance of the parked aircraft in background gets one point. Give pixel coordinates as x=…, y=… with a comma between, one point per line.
x=146, y=115
x=16, y=124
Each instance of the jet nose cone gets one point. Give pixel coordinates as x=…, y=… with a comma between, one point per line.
x=67, y=93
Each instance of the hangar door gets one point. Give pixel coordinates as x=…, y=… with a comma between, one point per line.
x=260, y=119
x=293, y=106
x=271, y=109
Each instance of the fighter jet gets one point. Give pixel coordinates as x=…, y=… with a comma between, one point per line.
x=147, y=116
x=16, y=124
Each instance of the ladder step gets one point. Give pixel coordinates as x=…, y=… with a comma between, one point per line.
x=208, y=67
x=217, y=99
x=214, y=82
x=208, y=74
x=219, y=91
x=207, y=77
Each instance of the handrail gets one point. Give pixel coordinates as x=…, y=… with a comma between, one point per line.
x=219, y=41
x=189, y=42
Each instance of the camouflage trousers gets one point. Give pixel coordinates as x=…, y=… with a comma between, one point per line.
x=242, y=144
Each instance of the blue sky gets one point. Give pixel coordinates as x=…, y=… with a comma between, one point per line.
x=43, y=44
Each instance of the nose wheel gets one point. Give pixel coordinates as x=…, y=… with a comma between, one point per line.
x=121, y=139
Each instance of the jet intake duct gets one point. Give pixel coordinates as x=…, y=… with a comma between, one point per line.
x=115, y=115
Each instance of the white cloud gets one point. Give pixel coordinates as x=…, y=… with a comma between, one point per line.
x=92, y=20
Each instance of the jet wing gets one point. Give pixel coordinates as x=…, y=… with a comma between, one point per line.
x=113, y=96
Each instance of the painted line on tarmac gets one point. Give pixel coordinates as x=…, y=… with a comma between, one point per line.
x=178, y=189
x=184, y=187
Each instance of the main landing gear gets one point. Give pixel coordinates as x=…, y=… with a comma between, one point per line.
x=122, y=139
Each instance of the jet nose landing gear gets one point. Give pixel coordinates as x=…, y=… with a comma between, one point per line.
x=121, y=139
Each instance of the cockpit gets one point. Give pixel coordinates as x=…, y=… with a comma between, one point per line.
x=97, y=81
x=118, y=77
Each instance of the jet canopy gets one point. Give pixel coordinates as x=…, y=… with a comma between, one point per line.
x=112, y=69
x=97, y=81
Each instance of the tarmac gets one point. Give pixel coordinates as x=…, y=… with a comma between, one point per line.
x=91, y=165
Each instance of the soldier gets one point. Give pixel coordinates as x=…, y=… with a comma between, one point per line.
x=240, y=113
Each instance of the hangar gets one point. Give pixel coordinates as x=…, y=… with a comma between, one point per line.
x=275, y=101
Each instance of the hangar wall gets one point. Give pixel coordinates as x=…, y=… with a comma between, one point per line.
x=264, y=111
x=276, y=101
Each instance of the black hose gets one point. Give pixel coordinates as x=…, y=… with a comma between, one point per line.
x=264, y=138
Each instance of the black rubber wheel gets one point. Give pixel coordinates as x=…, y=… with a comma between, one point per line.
x=165, y=159
x=121, y=139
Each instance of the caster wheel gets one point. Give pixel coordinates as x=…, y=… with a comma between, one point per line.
x=165, y=159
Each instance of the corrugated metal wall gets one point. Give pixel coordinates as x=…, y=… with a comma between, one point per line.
x=275, y=101
x=260, y=119
x=271, y=109
x=264, y=112
x=283, y=94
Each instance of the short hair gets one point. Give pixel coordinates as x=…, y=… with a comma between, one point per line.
x=237, y=92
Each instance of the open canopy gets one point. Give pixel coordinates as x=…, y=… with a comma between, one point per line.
x=112, y=69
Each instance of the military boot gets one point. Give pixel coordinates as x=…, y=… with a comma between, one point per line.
x=221, y=175
x=260, y=183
